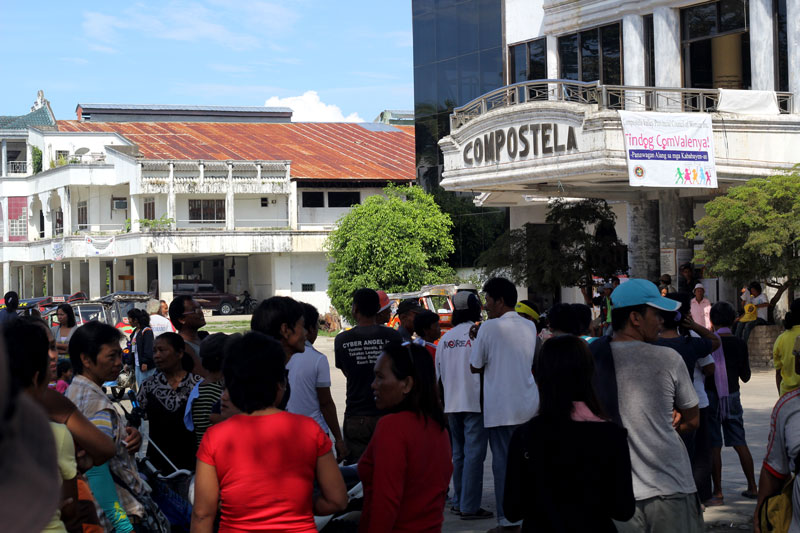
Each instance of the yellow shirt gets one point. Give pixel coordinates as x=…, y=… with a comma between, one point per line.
x=783, y=358
x=67, y=467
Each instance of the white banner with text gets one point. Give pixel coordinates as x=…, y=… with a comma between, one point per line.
x=99, y=246
x=669, y=149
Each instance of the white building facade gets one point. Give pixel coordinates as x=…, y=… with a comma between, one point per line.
x=146, y=196
x=572, y=66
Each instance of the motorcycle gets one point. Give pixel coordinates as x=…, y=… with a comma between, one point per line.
x=247, y=305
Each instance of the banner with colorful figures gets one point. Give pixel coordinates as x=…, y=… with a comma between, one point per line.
x=669, y=149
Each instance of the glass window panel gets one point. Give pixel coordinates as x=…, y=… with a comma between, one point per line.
x=418, y=7
x=590, y=55
x=469, y=78
x=446, y=33
x=649, y=46
x=313, y=199
x=491, y=69
x=732, y=15
x=699, y=21
x=343, y=198
x=424, y=28
x=195, y=210
x=612, y=66
x=447, y=84
x=491, y=26
x=220, y=211
x=467, y=28
x=425, y=90
x=783, y=50
x=700, y=69
x=568, y=57
x=537, y=57
x=518, y=62
x=208, y=210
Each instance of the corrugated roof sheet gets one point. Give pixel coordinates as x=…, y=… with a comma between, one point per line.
x=158, y=107
x=323, y=150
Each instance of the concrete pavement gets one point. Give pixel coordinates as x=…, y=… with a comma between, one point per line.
x=758, y=397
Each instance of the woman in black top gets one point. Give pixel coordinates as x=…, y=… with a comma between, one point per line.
x=164, y=396
x=141, y=345
x=568, y=468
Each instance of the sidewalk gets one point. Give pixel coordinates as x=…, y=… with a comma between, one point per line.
x=758, y=397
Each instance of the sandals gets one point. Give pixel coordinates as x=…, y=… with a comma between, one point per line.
x=750, y=494
x=480, y=514
x=455, y=510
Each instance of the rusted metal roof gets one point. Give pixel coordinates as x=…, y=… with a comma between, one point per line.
x=321, y=151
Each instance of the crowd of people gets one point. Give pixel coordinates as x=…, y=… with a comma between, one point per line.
x=608, y=424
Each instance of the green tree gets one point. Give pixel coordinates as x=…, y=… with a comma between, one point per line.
x=397, y=242
x=753, y=233
x=577, y=242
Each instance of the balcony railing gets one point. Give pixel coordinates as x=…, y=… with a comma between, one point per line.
x=17, y=167
x=604, y=96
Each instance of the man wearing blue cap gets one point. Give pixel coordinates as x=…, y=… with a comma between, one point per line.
x=640, y=384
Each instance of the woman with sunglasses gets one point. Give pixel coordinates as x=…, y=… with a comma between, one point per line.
x=406, y=467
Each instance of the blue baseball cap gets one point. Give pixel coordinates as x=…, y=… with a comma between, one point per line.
x=641, y=292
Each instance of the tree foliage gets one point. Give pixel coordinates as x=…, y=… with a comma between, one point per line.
x=564, y=252
x=753, y=232
x=397, y=242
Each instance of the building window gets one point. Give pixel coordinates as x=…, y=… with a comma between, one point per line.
x=528, y=61
x=782, y=55
x=592, y=55
x=265, y=202
x=58, y=222
x=313, y=199
x=717, y=29
x=309, y=287
x=150, y=208
x=17, y=218
x=61, y=156
x=83, y=215
x=344, y=198
x=649, y=52
x=207, y=211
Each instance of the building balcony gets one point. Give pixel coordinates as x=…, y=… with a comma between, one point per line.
x=605, y=97
x=18, y=167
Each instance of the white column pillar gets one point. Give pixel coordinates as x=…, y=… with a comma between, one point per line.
x=281, y=274
x=95, y=282
x=6, y=228
x=75, y=276
x=58, y=278
x=16, y=272
x=44, y=199
x=6, y=276
x=29, y=164
x=165, y=277
x=292, y=204
x=140, y=274
x=27, y=282
x=230, y=211
x=552, y=65
x=136, y=209
x=38, y=280
x=201, y=181
x=171, y=196
x=33, y=221
x=94, y=209
x=793, y=45
x=3, y=159
x=667, y=45
x=66, y=209
x=762, y=56
x=634, y=64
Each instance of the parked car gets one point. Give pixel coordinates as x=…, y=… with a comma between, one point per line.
x=119, y=303
x=84, y=312
x=45, y=303
x=207, y=295
x=436, y=298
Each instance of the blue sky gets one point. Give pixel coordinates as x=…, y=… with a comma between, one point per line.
x=330, y=59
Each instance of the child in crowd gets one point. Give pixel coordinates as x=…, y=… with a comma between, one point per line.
x=64, y=376
x=428, y=330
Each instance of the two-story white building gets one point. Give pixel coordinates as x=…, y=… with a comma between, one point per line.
x=137, y=197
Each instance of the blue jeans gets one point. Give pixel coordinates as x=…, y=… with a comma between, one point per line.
x=499, y=439
x=743, y=329
x=142, y=375
x=469, y=439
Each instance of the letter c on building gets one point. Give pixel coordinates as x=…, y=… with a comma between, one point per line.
x=467, y=157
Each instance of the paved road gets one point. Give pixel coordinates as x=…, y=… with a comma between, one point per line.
x=758, y=398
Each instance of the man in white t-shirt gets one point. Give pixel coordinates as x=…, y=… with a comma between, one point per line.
x=753, y=295
x=158, y=323
x=310, y=383
x=462, y=403
x=503, y=352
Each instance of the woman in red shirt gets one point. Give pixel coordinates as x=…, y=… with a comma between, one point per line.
x=406, y=467
x=259, y=466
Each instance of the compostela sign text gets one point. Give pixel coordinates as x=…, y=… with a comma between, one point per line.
x=519, y=142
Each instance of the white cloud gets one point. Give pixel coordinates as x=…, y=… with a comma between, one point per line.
x=309, y=108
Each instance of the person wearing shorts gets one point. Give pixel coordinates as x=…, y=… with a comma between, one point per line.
x=726, y=416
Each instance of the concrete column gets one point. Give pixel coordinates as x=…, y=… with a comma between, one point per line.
x=27, y=282
x=95, y=283
x=793, y=46
x=230, y=212
x=643, y=248
x=171, y=198
x=201, y=181
x=281, y=274
x=762, y=56
x=93, y=207
x=552, y=65
x=675, y=219
x=29, y=164
x=58, y=278
x=634, y=64
x=3, y=159
x=6, y=228
x=6, y=276
x=44, y=199
x=15, y=279
x=136, y=209
x=667, y=45
x=165, y=277
x=140, y=274
x=74, y=276
x=292, y=205
x=38, y=280
x=66, y=208
x=33, y=221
